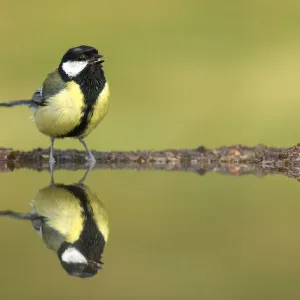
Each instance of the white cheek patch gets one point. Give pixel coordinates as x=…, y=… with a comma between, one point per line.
x=73, y=68
x=72, y=255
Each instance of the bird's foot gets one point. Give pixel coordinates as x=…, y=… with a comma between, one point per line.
x=89, y=165
x=51, y=160
x=90, y=159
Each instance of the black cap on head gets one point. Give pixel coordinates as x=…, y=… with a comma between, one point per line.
x=81, y=270
x=80, y=53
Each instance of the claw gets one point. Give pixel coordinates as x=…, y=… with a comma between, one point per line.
x=90, y=159
x=51, y=160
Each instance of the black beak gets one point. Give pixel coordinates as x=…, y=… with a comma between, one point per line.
x=97, y=59
x=95, y=265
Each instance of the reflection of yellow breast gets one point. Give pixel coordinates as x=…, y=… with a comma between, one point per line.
x=99, y=112
x=62, y=211
x=62, y=112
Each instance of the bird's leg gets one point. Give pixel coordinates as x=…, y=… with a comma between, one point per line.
x=90, y=158
x=88, y=170
x=91, y=161
x=51, y=166
x=51, y=160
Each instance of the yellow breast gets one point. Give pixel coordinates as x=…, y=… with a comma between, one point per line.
x=62, y=211
x=99, y=112
x=62, y=112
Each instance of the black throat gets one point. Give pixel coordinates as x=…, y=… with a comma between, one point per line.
x=91, y=81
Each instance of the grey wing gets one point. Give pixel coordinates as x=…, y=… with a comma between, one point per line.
x=37, y=225
x=37, y=97
x=52, y=238
x=51, y=86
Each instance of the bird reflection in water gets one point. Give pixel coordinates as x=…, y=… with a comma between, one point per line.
x=73, y=222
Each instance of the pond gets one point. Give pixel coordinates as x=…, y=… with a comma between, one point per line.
x=171, y=234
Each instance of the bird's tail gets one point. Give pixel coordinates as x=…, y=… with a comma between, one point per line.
x=19, y=216
x=15, y=103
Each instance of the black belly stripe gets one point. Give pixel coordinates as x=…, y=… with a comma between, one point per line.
x=81, y=127
x=92, y=82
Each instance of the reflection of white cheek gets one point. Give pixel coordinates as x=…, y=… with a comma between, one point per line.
x=72, y=255
x=73, y=68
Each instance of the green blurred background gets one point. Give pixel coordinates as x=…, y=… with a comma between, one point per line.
x=182, y=73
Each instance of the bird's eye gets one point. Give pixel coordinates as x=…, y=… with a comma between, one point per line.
x=82, y=57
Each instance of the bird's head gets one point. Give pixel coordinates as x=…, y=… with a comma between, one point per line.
x=77, y=264
x=77, y=59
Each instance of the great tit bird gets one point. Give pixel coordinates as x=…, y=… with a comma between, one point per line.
x=73, y=222
x=72, y=100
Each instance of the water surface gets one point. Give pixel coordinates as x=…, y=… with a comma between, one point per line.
x=172, y=234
